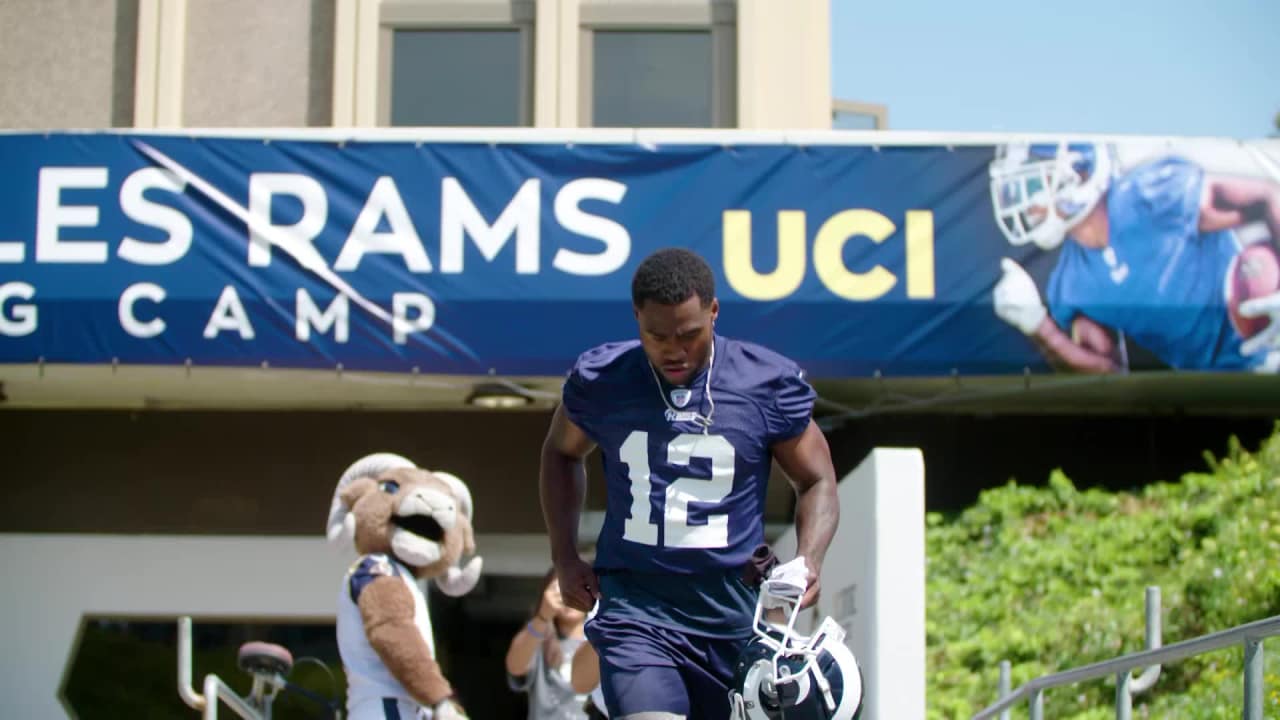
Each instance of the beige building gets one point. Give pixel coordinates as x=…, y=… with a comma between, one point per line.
x=377, y=63
x=136, y=495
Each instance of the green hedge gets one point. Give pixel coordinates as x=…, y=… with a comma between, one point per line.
x=1053, y=577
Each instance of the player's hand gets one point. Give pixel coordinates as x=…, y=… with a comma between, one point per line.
x=1016, y=298
x=448, y=709
x=789, y=582
x=813, y=588
x=1269, y=337
x=579, y=586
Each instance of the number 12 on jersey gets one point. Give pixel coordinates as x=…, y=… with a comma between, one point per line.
x=677, y=532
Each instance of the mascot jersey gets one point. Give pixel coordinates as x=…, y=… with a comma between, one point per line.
x=683, y=498
x=1160, y=280
x=368, y=679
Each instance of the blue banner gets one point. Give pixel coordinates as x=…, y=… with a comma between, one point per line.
x=473, y=258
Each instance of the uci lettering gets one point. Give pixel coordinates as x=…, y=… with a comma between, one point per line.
x=828, y=250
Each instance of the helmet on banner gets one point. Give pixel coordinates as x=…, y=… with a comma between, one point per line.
x=1040, y=191
x=783, y=675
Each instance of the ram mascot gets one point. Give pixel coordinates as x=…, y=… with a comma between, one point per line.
x=407, y=525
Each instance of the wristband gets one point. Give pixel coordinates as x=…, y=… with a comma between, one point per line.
x=528, y=627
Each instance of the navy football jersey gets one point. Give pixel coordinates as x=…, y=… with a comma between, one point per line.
x=684, y=497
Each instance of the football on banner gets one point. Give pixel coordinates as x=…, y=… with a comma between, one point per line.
x=1254, y=273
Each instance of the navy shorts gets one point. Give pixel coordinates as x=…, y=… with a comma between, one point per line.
x=651, y=668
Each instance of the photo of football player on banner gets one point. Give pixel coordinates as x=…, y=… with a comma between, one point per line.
x=919, y=256
x=1154, y=252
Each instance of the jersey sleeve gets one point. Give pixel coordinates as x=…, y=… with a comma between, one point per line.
x=366, y=570
x=584, y=389
x=1165, y=194
x=792, y=405
x=576, y=397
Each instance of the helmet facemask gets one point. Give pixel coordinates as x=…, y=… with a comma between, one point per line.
x=784, y=674
x=1040, y=192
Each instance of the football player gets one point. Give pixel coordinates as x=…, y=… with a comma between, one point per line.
x=688, y=423
x=1148, y=256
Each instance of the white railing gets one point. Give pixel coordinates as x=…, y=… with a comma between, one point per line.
x=1249, y=635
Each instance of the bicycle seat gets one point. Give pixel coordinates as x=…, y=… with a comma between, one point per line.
x=264, y=658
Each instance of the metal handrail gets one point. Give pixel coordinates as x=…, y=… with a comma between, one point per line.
x=1250, y=635
x=257, y=706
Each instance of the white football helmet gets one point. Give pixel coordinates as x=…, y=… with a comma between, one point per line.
x=1040, y=191
x=783, y=675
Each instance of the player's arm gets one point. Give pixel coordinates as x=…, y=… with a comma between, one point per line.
x=1065, y=353
x=1016, y=300
x=562, y=488
x=806, y=459
x=1228, y=202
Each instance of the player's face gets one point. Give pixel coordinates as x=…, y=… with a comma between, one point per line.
x=677, y=338
x=1034, y=215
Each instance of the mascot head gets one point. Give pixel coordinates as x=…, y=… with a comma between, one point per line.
x=385, y=504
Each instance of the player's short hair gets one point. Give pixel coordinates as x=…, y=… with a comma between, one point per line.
x=671, y=276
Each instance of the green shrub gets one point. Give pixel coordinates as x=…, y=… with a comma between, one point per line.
x=1054, y=577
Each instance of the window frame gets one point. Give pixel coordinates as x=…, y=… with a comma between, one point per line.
x=717, y=16
x=365, y=31
x=445, y=15
x=878, y=113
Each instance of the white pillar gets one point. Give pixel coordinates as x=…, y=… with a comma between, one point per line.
x=873, y=579
x=159, y=74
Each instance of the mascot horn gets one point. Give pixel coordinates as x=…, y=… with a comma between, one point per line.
x=460, y=580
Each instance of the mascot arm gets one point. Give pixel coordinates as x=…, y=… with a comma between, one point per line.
x=386, y=607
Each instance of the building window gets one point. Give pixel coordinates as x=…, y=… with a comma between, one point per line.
x=459, y=64
x=649, y=64
x=433, y=62
x=459, y=77
x=851, y=115
x=651, y=79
